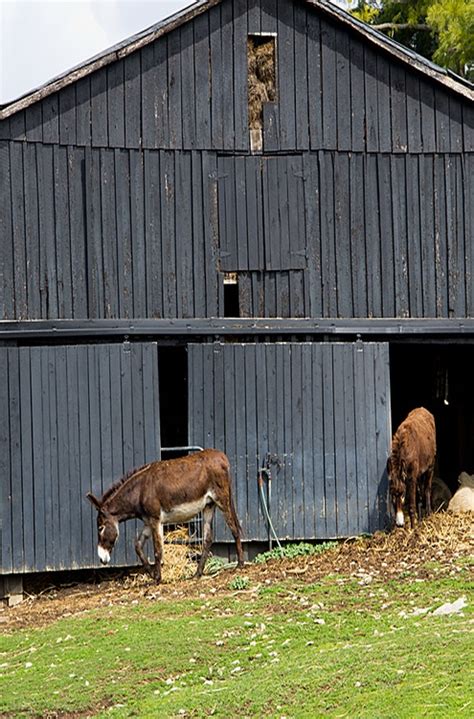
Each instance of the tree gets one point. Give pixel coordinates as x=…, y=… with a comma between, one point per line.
x=453, y=21
x=440, y=30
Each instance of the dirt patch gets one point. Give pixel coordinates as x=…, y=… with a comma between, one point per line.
x=439, y=546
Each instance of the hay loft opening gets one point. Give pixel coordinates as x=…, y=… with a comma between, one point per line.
x=438, y=377
x=261, y=64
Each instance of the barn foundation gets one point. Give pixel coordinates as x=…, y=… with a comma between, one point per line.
x=11, y=589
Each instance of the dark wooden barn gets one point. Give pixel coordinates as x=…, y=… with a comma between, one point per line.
x=249, y=227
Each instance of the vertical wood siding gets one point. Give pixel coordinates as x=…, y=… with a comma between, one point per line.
x=107, y=233
x=188, y=90
x=80, y=416
x=321, y=410
x=103, y=233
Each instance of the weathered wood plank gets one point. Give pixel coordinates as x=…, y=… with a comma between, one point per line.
x=116, y=104
x=203, y=93
x=137, y=235
x=32, y=251
x=95, y=261
x=19, y=276
x=153, y=261
x=109, y=234
x=329, y=80
x=124, y=246
x=314, y=81
x=227, y=77
x=99, y=118
x=7, y=431
x=371, y=100
x=398, y=108
x=286, y=77
x=184, y=250
x=132, y=100
x=6, y=232
x=175, y=109
x=78, y=232
x=189, y=90
x=216, y=84
x=168, y=233
x=344, y=110
x=83, y=112
x=63, y=232
x=357, y=120
x=34, y=123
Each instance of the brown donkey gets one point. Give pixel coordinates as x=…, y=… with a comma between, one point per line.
x=168, y=492
x=411, y=463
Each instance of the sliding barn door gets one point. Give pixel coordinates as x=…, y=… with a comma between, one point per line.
x=317, y=414
x=78, y=418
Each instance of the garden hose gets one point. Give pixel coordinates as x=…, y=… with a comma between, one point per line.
x=264, y=503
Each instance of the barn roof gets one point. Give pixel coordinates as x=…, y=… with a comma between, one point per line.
x=152, y=33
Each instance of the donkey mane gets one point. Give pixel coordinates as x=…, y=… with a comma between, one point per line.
x=111, y=491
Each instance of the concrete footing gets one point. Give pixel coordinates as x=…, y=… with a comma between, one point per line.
x=11, y=589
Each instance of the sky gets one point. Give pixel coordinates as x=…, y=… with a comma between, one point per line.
x=40, y=39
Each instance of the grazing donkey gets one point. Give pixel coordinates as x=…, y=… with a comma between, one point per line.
x=168, y=492
x=411, y=463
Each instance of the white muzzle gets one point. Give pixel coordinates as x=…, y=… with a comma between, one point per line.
x=399, y=519
x=104, y=555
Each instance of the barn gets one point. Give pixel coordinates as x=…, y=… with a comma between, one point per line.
x=249, y=226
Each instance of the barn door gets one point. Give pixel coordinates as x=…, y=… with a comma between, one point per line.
x=318, y=412
x=78, y=418
x=262, y=219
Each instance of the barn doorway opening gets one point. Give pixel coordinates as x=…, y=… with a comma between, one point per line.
x=173, y=382
x=440, y=378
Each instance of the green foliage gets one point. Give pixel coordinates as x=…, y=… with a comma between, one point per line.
x=239, y=583
x=440, y=30
x=453, y=21
x=290, y=551
x=214, y=565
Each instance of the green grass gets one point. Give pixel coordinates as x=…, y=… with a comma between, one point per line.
x=335, y=649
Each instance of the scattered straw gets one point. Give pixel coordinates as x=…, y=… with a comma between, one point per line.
x=177, y=553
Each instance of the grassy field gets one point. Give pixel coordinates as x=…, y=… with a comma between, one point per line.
x=338, y=648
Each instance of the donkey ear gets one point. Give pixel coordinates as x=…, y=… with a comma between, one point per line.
x=93, y=500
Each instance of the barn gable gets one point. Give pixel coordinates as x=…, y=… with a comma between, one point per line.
x=377, y=95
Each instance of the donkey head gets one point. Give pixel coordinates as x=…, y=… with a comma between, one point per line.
x=107, y=528
x=397, y=488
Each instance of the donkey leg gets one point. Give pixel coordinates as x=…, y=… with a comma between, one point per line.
x=207, y=517
x=157, y=533
x=411, y=496
x=230, y=515
x=428, y=483
x=140, y=542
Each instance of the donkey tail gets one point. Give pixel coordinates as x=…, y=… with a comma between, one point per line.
x=234, y=515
